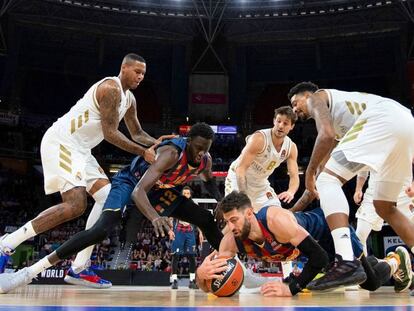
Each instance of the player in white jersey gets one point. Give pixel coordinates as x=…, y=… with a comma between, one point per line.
x=70, y=168
x=375, y=134
x=264, y=152
x=367, y=217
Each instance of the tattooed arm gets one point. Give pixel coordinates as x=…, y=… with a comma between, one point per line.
x=134, y=126
x=108, y=95
x=303, y=202
x=318, y=108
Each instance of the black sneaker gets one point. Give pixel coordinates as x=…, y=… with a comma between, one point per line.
x=174, y=284
x=340, y=273
x=193, y=285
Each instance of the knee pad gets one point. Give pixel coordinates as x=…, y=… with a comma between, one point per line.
x=332, y=197
x=101, y=195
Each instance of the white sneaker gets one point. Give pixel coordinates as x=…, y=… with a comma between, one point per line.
x=10, y=281
x=253, y=281
x=5, y=250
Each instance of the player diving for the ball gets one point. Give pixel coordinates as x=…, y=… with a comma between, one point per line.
x=276, y=234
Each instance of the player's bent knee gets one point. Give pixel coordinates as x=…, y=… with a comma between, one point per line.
x=97, y=234
x=77, y=206
x=384, y=208
x=78, y=209
x=329, y=186
x=103, y=226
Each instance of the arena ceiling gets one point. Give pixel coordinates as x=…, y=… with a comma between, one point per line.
x=72, y=23
x=182, y=19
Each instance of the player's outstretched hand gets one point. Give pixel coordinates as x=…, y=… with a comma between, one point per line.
x=275, y=289
x=161, y=225
x=211, y=268
x=286, y=196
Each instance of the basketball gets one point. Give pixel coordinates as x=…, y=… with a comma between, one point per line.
x=232, y=281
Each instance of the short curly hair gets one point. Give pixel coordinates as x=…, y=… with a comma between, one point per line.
x=234, y=200
x=201, y=129
x=302, y=87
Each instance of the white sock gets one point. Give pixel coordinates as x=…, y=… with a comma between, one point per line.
x=174, y=277
x=19, y=236
x=393, y=263
x=363, y=230
x=342, y=241
x=39, y=266
x=82, y=258
x=192, y=276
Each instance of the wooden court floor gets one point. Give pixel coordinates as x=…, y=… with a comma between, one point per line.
x=128, y=298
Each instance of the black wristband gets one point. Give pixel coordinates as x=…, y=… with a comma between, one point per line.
x=294, y=286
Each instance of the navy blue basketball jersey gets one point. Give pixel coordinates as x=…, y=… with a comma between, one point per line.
x=271, y=249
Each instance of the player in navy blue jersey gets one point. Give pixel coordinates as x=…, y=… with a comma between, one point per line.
x=276, y=234
x=155, y=189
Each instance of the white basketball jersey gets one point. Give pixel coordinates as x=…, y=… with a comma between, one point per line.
x=346, y=107
x=81, y=126
x=266, y=161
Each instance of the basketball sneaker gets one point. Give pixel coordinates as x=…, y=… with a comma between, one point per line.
x=404, y=275
x=192, y=285
x=174, y=284
x=5, y=253
x=340, y=273
x=86, y=278
x=253, y=282
x=10, y=281
x=3, y=262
